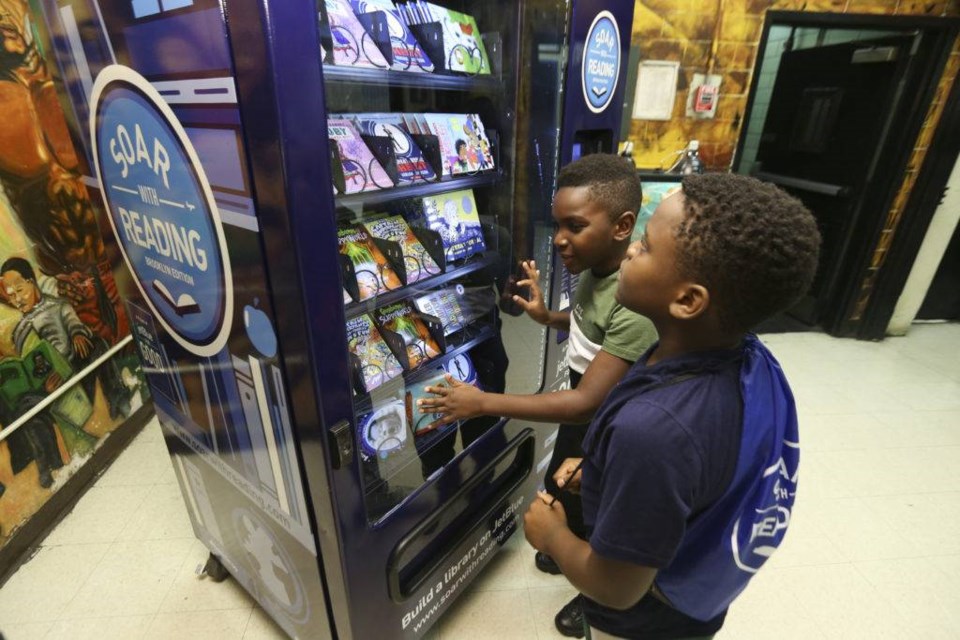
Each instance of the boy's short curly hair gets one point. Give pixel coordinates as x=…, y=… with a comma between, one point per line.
x=753, y=246
x=613, y=182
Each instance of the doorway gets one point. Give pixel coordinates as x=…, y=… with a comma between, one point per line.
x=837, y=103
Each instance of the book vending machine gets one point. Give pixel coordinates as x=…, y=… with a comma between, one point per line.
x=323, y=206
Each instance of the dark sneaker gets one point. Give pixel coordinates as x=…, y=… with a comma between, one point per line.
x=546, y=564
x=569, y=620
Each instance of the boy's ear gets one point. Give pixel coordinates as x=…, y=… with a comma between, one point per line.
x=623, y=225
x=693, y=302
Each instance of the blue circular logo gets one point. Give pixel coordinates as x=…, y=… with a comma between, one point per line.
x=162, y=210
x=600, y=68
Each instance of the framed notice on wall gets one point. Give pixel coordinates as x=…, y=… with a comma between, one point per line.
x=656, y=90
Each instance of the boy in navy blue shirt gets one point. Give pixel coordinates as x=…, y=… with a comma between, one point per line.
x=689, y=469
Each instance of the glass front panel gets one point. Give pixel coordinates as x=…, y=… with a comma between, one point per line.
x=422, y=116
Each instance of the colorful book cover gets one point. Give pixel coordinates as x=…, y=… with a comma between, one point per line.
x=383, y=431
x=402, y=319
x=407, y=54
x=377, y=362
x=416, y=260
x=411, y=123
x=463, y=46
x=444, y=304
x=454, y=216
x=460, y=367
x=361, y=171
x=463, y=143
x=457, y=306
x=352, y=45
x=412, y=167
x=371, y=268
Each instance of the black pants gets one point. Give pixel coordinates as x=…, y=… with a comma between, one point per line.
x=569, y=444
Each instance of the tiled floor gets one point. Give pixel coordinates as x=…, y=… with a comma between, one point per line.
x=874, y=550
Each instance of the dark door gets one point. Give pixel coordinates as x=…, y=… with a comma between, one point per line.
x=827, y=122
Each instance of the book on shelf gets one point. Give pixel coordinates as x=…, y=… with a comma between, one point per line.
x=375, y=363
x=364, y=265
x=463, y=142
x=463, y=47
x=460, y=368
x=417, y=262
x=412, y=166
x=404, y=321
x=457, y=306
x=383, y=431
x=407, y=53
x=454, y=217
x=352, y=45
x=361, y=170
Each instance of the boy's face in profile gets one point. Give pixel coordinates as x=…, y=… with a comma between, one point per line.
x=649, y=277
x=583, y=232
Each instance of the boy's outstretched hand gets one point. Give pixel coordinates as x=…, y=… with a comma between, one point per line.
x=535, y=306
x=543, y=520
x=458, y=401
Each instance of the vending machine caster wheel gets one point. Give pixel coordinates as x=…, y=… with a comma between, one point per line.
x=214, y=569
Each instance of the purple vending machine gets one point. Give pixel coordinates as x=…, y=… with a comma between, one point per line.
x=320, y=204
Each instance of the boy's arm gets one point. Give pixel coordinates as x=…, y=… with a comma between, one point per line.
x=576, y=406
x=612, y=583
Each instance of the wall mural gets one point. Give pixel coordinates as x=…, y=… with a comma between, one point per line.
x=60, y=310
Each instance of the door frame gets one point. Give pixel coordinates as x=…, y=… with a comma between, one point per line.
x=894, y=154
x=928, y=191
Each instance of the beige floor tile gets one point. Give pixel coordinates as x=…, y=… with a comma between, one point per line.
x=931, y=522
x=845, y=431
x=99, y=516
x=162, y=515
x=40, y=589
x=26, y=630
x=189, y=592
x=481, y=615
x=118, y=628
x=545, y=602
x=922, y=428
x=209, y=625
x=768, y=607
x=144, y=462
x=858, y=531
x=843, y=603
x=913, y=587
x=262, y=627
x=133, y=579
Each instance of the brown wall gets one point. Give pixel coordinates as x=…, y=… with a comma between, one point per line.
x=722, y=37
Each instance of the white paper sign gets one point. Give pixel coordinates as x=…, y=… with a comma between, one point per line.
x=656, y=90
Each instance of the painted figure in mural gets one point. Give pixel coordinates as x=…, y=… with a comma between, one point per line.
x=39, y=172
x=54, y=320
x=36, y=440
